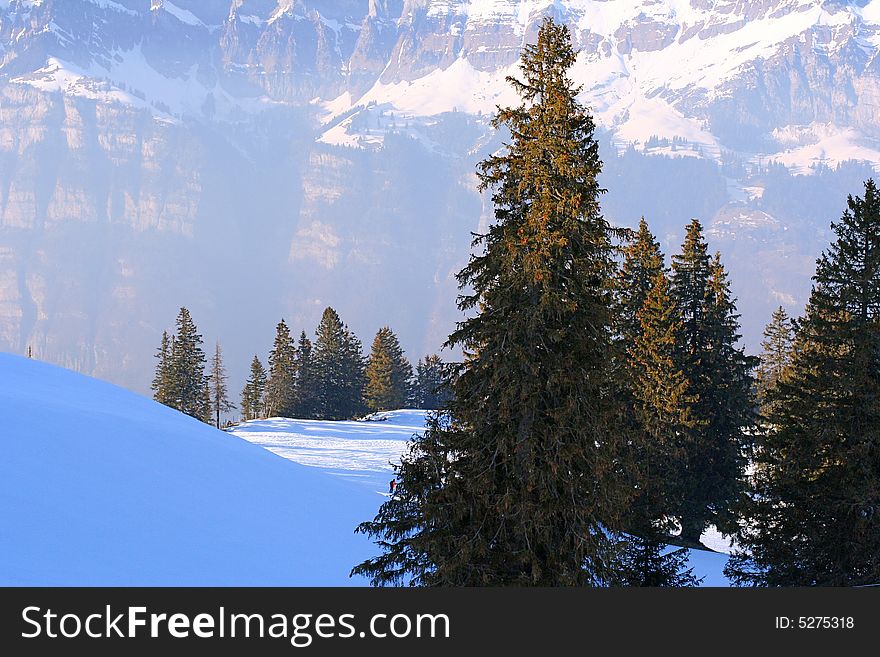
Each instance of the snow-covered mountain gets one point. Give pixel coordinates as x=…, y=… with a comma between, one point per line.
x=290, y=154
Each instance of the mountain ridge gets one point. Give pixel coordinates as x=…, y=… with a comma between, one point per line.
x=158, y=153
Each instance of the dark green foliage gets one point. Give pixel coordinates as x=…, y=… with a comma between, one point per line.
x=180, y=377
x=388, y=373
x=219, y=395
x=664, y=409
x=719, y=380
x=642, y=262
x=430, y=389
x=814, y=516
x=163, y=381
x=775, y=357
x=306, y=396
x=531, y=482
x=253, y=396
x=649, y=562
x=339, y=369
x=659, y=409
x=281, y=385
x=407, y=536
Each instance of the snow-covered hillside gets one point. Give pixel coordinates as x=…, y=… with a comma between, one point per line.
x=99, y=486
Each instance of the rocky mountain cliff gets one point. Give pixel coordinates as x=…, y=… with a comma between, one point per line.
x=258, y=158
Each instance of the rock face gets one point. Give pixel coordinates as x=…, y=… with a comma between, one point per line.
x=258, y=158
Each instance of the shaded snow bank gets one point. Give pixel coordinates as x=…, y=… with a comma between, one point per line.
x=99, y=486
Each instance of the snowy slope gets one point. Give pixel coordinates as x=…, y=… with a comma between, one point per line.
x=99, y=486
x=359, y=451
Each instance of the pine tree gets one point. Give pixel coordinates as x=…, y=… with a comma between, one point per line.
x=281, y=385
x=775, y=356
x=219, y=395
x=306, y=400
x=388, y=373
x=430, y=390
x=648, y=562
x=814, y=516
x=642, y=261
x=188, y=389
x=531, y=484
x=719, y=379
x=658, y=409
x=253, y=396
x=354, y=381
x=664, y=410
x=163, y=384
x=339, y=369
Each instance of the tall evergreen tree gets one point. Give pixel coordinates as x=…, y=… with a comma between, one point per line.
x=339, y=369
x=719, y=379
x=775, y=356
x=642, y=261
x=814, y=516
x=664, y=409
x=306, y=399
x=351, y=394
x=253, y=395
x=531, y=483
x=430, y=389
x=163, y=381
x=219, y=395
x=658, y=408
x=388, y=373
x=281, y=385
x=187, y=366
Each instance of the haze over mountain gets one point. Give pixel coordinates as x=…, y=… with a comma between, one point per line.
x=257, y=158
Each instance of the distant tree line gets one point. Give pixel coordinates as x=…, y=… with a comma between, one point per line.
x=328, y=378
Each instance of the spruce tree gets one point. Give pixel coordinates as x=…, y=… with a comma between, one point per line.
x=253, y=395
x=163, y=381
x=658, y=410
x=664, y=410
x=775, y=356
x=642, y=261
x=388, y=373
x=339, y=369
x=351, y=393
x=649, y=562
x=281, y=385
x=219, y=395
x=430, y=390
x=719, y=379
x=306, y=400
x=530, y=485
x=187, y=369
x=814, y=515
